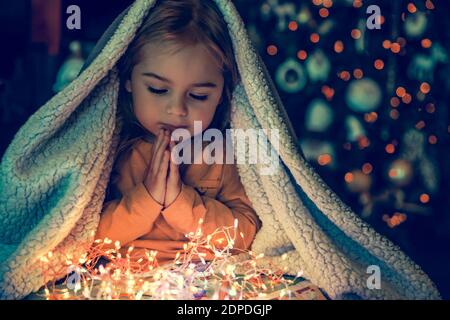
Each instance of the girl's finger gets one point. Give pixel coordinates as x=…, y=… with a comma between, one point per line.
x=174, y=172
x=156, y=145
x=172, y=146
x=149, y=169
x=159, y=153
x=162, y=172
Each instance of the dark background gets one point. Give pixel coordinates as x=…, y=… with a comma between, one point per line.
x=390, y=165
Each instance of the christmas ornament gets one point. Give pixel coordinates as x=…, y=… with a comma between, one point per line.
x=304, y=15
x=325, y=27
x=318, y=66
x=360, y=41
x=314, y=150
x=363, y=95
x=413, y=150
x=290, y=76
x=415, y=24
x=70, y=68
x=422, y=66
x=319, y=116
x=284, y=13
x=354, y=128
x=255, y=36
x=400, y=172
x=358, y=182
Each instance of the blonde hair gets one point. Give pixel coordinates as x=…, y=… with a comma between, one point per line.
x=178, y=23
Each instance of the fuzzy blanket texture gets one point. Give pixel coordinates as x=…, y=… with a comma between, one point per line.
x=53, y=178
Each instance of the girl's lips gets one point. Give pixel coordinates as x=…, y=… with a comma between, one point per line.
x=170, y=127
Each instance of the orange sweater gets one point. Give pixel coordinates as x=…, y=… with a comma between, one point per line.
x=212, y=192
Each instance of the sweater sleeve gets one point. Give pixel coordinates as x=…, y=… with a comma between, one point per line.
x=231, y=203
x=133, y=215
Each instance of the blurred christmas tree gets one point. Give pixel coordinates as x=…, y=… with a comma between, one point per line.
x=369, y=105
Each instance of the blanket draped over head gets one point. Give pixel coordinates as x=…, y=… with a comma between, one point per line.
x=53, y=178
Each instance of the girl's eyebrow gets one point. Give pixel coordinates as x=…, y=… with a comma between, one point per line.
x=201, y=84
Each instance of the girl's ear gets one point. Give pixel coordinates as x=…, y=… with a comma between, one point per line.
x=128, y=85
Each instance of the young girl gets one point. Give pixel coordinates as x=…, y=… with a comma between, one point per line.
x=179, y=69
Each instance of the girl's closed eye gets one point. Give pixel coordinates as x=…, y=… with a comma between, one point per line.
x=157, y=91
x=163, y=91
x=200, y=98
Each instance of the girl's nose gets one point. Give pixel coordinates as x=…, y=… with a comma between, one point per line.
x=177, y=108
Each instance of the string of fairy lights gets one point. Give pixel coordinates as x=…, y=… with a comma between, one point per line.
x=188, y=277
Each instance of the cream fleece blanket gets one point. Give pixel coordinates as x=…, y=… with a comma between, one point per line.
x=54, y=174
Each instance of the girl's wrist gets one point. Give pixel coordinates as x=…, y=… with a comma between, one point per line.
x=150, y=194
x=175, y=198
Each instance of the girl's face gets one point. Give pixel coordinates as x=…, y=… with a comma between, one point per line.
x=173, y=91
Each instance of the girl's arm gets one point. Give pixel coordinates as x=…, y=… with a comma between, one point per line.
x=232, y=203
x=133, y=215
